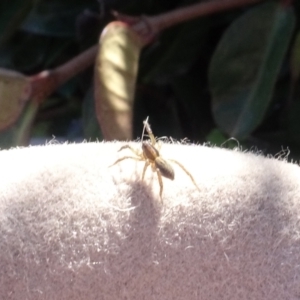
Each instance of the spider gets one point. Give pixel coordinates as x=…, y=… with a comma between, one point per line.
x=150, y=155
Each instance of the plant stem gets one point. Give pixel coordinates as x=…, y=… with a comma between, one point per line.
x=46, y=82
x=66, y=71
x=175, y=17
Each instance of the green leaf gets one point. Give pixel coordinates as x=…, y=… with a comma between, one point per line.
x=55, y=17
x=31, y=52
x=216, y=137
x=194, y=105
x=293, y=123
x=245, y=66
x=91, y=128
x=12, y=13
x=177, y=51
x=295, y=58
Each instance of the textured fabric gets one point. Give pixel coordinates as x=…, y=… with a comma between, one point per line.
x=74, y=228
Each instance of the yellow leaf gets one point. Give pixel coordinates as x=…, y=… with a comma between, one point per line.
x=115, y=78
x=14, y=93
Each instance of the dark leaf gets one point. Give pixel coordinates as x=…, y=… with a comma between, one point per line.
x=91, y=128
x=245, y=66
x=295, y=58
x=12, y=13
x=176, y=51
x=55, y=17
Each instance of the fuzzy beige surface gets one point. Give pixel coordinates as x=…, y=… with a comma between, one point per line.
x=72, y=228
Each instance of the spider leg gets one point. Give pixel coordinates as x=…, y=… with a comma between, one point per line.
x=152, y=138
x=125, y=157
x=158, y=145
x=186, y=172
x=160, y=183
x=131, y=149
x=150, y=133
x=145, y=168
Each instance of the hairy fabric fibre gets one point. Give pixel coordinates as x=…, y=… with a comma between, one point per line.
x=73, y=228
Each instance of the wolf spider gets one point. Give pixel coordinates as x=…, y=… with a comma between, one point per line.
x=150, y=155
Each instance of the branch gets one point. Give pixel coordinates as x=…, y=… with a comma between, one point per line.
x=46, y=82
x=148, y=27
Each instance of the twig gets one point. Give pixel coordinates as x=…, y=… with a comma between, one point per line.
x=76, y=65
x=202, y=9
x=147, y=27
x=46, y=82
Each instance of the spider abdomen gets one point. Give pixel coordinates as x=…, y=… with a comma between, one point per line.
x=164, y=168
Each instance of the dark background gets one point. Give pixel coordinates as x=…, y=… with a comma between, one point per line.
x=173, y=86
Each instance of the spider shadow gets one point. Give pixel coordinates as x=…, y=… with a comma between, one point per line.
x=137, y=250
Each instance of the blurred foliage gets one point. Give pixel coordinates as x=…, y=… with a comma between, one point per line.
x=230, y=74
